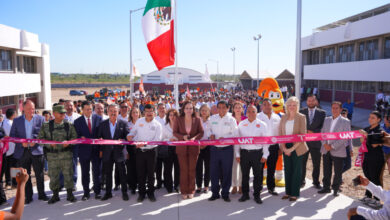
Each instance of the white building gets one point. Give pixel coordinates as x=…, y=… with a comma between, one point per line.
x=350, y=58
x=167, y=76
x=24, y=69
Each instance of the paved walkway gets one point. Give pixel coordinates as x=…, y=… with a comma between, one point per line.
x=169, y=206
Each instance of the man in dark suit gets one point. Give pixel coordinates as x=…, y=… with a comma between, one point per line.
x=113, y=129
x=315, y=120
x=28, y=126
x=86, y=127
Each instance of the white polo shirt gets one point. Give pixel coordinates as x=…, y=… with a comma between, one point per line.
x=256, y=128
x=225, y=127
x=146, y=131
x=272, y=123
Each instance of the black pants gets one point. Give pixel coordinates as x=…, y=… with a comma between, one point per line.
x=251, y=159
x=271, y=165
x=3, y=198
x=131, y=168
x=36, y=161
x=120, y=166
x=315, y=154
x=85, y=165
x=146, y=164
x=117, y=177
x=176, y=172
x=203, y=160
x=8, y=162
x=372, y=168
x=337, y=163
x=159, y=170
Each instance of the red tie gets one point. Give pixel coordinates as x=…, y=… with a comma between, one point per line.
x=89, y=126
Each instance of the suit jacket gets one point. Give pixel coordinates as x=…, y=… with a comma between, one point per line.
x=179, y=131
x=18, y=130
x=121, y=132
x=316, y=124
x=86, y=151
x=338, y=146
x=299, y=128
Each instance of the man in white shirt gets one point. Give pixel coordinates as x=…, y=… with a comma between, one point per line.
x=380, y=96
x=9, y=160
x=99, y=110
x=70, y=115
x=361, y=213
x=161, y=110
x=272, y=121
x=124, y=110
x=252, y=156
x=146, y=129
x=222, y=125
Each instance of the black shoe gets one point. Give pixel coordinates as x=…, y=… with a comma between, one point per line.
x=106, y=196
x=28, y=201
x=55, y=198
x=273, y=192
x=141, y=198
x=125, y=197
x=85, y=197
x=243, y=198
x=169, y=190
x=43, y=198
x=317, y=186
x=258, y=200
x=303, y=185
x=98, y=196
x=70, y=197
x=116, y=188
x=176, y=189
x=159, y=185
x=74, y=189
x=198, y=191
x=151, y=197
x=226, y=199
x=133, y=191
x=212, y=198
x=335, y=193
x=324, y=190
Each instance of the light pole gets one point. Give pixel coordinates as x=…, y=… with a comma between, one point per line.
x=234, y=61
x=258, y=57
x=216, y=61
x=131, y=56
x=298, y=54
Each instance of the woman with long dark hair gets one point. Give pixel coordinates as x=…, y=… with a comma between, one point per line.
x=187, y=127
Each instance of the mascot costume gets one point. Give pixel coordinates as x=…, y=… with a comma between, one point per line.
x=269, y=88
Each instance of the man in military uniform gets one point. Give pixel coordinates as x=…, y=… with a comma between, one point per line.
x=59, y=156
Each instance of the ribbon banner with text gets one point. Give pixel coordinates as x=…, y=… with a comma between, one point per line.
x=224, y=141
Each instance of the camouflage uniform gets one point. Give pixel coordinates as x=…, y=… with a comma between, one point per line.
x=59, y=158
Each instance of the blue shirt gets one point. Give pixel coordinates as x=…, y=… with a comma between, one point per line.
x=349, y=107
x=28, y=127
x=386, y=149
x=112, y=129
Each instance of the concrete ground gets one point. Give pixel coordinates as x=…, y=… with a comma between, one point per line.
x=170, y=206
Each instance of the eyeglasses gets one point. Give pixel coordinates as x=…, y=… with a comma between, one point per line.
x=124, y=106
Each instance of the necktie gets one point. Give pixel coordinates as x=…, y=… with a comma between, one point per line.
x=89, y=126
x=311, y=116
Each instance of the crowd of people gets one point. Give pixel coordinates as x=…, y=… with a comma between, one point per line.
x=187, y=169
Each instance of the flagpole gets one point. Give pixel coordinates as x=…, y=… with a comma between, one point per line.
x=298, y=53
x=131, y=57
x=176, y=89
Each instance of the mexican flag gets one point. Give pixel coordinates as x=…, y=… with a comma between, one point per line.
x=157, y=25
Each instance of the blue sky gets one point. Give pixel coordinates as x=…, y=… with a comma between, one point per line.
x=90, y=36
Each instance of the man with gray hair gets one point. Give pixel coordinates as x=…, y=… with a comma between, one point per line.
x=113, y=129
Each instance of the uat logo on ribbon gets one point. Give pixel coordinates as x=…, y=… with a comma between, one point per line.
x=245, y=140
x=347, y=135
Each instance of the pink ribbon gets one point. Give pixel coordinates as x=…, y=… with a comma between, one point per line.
x=225, y=141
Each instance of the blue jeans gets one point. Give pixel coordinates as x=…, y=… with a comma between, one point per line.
x=221, y=164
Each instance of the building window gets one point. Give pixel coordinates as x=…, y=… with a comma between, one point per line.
x=343, y=85
x=7, y=100
x=368, y=50
x=314, y=57
x=5, y=60
x=325, y=84
x=387, y=47
x=364, y=86
x=346, y=53
x=29, y=64
x=329, y=55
